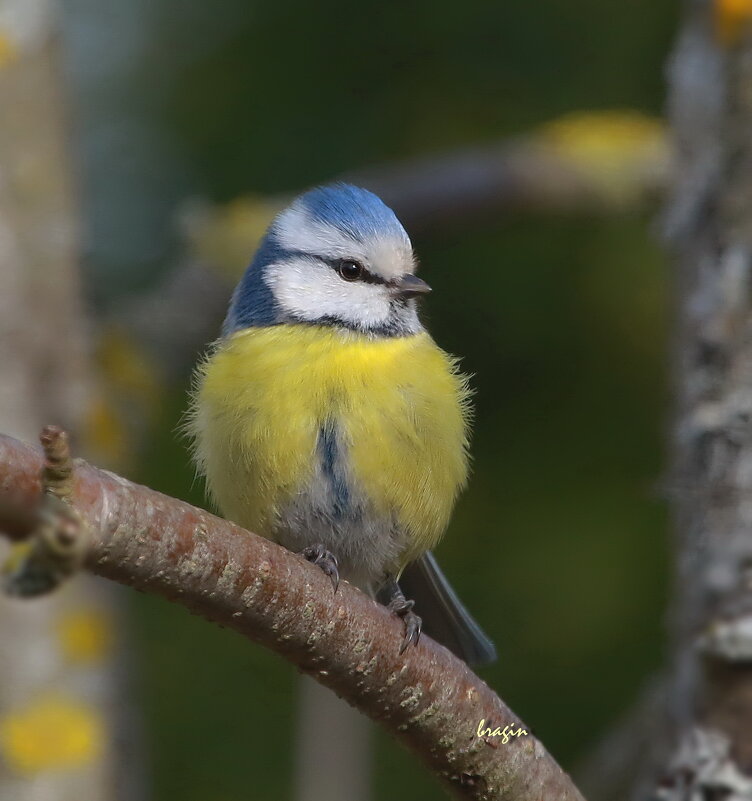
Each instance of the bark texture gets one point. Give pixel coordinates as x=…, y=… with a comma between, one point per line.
x=710, y=228
x=426, y=698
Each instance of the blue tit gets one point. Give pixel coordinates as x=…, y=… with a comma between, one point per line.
x=328, y=420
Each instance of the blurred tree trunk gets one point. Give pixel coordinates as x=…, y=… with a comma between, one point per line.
x=690, y=736
x=333, y=749
x=710, y=228
x=57, y=683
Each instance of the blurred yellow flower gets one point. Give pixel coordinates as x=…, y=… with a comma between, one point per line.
x=52, y=732
x=104, y=432
x=732, y=18
x=619, y=152
x=129, y=369
x=129, y=395
x=7, y=49
x=17, y=554
x=227, y=236
x=85, y=636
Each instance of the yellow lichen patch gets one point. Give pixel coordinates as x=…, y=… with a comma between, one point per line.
x=617, y=152
x=85, y=636
x=18, y=553
x=51, y=733
x=7, y=49
x=226, y=237
x=732, y=19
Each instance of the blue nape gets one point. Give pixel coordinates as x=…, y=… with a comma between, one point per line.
x=253, y=303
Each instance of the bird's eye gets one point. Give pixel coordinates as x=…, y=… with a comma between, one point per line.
x=350, y=270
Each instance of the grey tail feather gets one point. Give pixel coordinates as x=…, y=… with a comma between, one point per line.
x=445, y=618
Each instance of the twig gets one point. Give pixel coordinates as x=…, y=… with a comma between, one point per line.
x=426, y=698
x=58, y=543
x=57, y=473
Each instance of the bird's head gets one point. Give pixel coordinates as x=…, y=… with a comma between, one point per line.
x=336, y=256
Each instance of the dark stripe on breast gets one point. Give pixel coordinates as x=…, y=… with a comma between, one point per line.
x=333, y=469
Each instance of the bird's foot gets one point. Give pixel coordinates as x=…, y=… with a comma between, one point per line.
x=403, y=608
x=326, y=560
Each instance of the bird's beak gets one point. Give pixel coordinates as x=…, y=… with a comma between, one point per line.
x=410, y=286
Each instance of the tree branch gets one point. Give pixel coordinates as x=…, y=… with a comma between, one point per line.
x=427, y=699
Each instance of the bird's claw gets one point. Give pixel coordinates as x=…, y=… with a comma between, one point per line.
x=413, y=623
x=326, y=560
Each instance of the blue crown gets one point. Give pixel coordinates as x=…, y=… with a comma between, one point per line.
x=355, y=212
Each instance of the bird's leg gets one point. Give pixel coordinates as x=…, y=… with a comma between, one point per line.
x=326, y=560
x=392, y=596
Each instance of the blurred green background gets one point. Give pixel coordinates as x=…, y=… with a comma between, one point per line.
x=559, y=545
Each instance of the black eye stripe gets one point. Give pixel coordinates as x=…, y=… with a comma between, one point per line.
x=366, y=277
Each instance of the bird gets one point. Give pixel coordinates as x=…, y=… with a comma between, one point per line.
x=327, y=419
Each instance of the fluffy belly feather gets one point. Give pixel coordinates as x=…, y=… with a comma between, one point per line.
x=308, y=435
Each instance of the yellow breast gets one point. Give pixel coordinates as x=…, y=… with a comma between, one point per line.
x=399, y=403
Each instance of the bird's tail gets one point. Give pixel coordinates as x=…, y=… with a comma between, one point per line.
x=444, y=616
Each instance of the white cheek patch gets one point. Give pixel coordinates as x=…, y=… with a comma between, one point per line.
x=310, y=290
